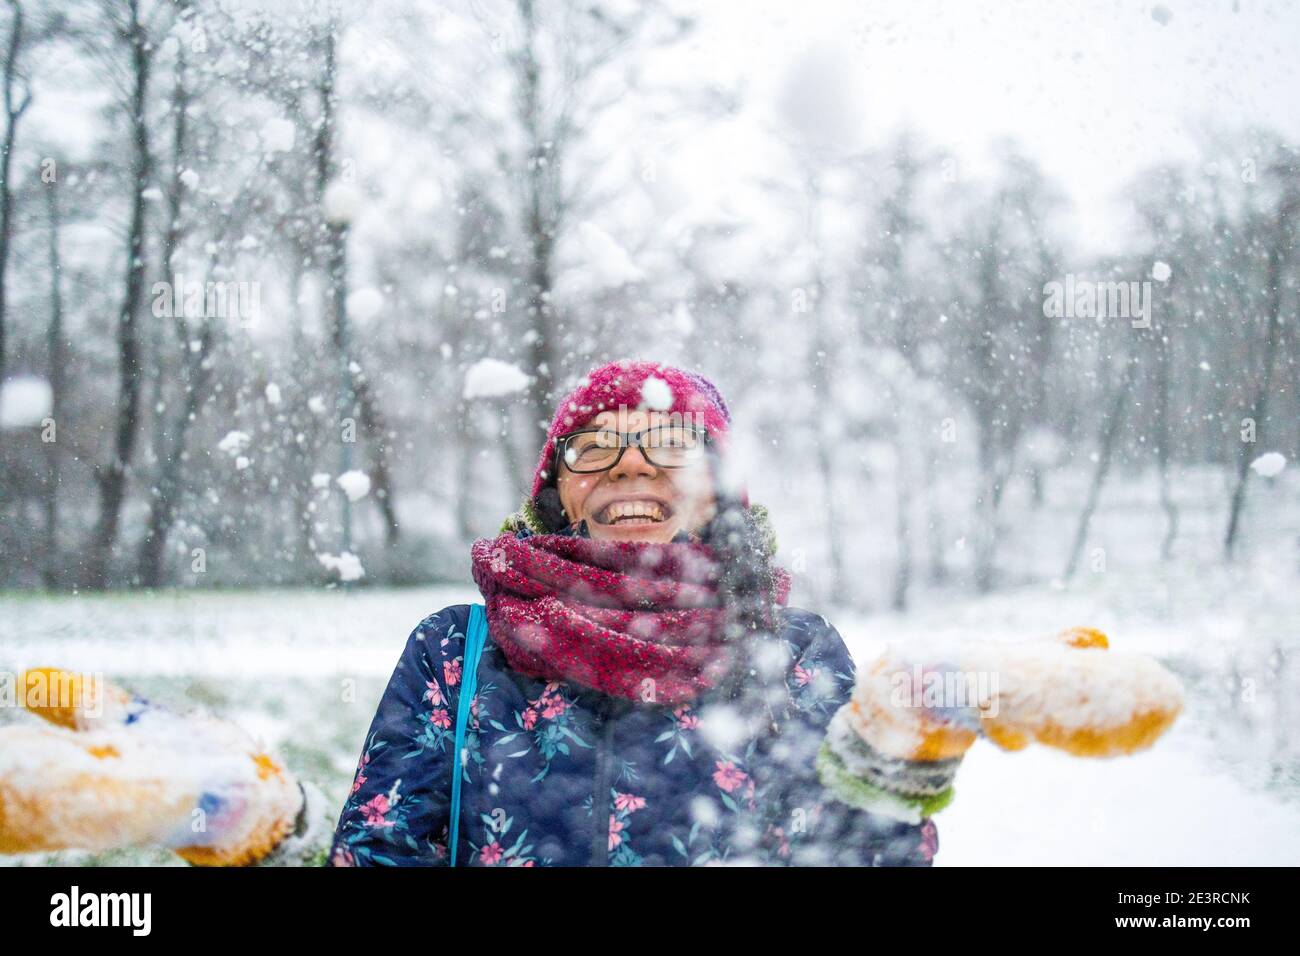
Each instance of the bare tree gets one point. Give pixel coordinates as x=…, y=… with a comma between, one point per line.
x=1280, y=250
x=1111, y=423
x=16, y=102
x=355, y=393
x=170, y=443
x=132, y=30
x=556, y=54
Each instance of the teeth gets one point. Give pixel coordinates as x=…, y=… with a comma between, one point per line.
x=634, y=509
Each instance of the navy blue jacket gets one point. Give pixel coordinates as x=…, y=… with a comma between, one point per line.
x=560, y=775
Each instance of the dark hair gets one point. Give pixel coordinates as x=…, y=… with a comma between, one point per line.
x=549, y=510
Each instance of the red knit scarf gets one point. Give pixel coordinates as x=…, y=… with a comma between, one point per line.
x=635, y=620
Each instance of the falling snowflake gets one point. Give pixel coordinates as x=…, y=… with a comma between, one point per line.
x=1269, y=464
x=347, y=564
x=355, y=484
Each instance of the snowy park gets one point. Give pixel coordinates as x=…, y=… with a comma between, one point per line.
x=639, y=324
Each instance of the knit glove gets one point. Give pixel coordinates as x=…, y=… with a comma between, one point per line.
x=113, y=770
x=895, y=747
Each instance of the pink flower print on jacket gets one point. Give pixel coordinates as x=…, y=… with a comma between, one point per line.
x=781, y=842
x=548, y=722
x=803, y=677
x=628, y=803
x=497, y=850
x=361, y=774
x=374, y=809
x=728, y=776
x=620, y=828
x=929, y=839
x=540, y=746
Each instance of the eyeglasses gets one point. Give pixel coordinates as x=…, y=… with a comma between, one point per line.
x=593, y=450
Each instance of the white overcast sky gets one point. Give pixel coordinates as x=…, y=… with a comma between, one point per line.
x=1095, y=89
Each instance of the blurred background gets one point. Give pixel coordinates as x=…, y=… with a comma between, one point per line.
x=1003, y=298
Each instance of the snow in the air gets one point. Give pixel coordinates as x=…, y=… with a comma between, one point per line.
x=1269, y=464
x=234, y=443
x=492, y=378
x=722, y=726
x=24, y=401
x=277, y=135
x=365, y=304
x=355, y=484
x=347, y=565
x=605, y=264
x=343, y=202
x=657, y=394
x=845, y=215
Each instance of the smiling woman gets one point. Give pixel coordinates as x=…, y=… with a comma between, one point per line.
x=644, y=695
x=635, y=475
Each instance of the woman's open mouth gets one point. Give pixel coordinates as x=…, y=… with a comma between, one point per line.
x=633, y=512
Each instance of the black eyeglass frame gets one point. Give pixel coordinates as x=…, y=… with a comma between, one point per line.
x=626, y=440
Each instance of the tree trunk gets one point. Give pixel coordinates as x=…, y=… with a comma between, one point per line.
x=543, y=356
x=169, y=447
x=162, y=510
x=465, y=460
x=935, y=543
x=13, y=112
x=355, y=395
x=303, y=493
x=1162, y=441
x=515, y=465
x=986, y=510
x=902, y=527
x=336, y=267
x=819, y=378
x=1110, y=430
x=112, y=478
x=373, y=422
x=58, y=364
x=1273, y=333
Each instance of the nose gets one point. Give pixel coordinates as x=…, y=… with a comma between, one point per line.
x=631, y=464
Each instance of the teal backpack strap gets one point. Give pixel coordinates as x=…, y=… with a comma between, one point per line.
x=476, y=636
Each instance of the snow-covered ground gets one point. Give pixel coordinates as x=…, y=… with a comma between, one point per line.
x=1220, y=788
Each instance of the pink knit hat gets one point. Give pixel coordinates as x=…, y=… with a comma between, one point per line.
x=636, y=384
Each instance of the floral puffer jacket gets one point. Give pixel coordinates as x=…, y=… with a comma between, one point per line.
x=556, y=775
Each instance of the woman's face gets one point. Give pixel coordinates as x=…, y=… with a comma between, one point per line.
x=634, y=500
